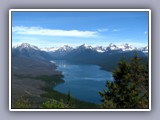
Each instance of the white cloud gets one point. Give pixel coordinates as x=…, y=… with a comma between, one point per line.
x=116, y=30
x=52, y=32
x=102, y=30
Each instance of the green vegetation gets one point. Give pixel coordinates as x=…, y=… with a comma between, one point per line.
x=22, y=103
x=129, y=88
x=67, y=99
x=53, y=104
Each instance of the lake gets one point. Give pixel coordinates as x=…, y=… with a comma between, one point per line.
x=83, y=81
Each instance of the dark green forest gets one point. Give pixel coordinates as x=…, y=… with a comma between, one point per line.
x=130, y=88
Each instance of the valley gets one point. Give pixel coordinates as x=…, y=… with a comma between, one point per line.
x=34, y=75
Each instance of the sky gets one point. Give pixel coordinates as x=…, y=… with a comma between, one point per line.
x=54, y=29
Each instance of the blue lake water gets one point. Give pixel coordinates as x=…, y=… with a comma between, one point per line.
x=83, y=81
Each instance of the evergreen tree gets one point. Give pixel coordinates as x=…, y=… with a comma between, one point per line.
x=130, y=86
x=69, y=97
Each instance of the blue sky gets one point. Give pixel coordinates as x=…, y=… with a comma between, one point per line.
x=49, y=29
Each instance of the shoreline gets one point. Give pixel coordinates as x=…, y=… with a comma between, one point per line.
x=48, y=93
x=33, y=80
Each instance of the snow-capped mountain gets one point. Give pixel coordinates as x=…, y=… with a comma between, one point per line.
x=68, y=51
x=144, y=50
x=51, y=49
x=54, y=49
x=25, y=46
x=106, y=57
x=84, y=46
x=126, y=47
x=100, y=49
x=65, y=48
x=29, y=51
x=112, y=47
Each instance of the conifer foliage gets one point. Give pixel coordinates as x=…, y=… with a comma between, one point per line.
x=129, y=90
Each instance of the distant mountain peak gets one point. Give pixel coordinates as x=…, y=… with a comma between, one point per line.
x=51, y=49
x=65, y=48
x=85, y=46
x=100, y=49
x=144, y=49
x=127, y=47
x=112, y=47
x=111, y=44
x=27, y=46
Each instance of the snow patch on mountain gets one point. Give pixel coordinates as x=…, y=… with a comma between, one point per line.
x=112, y=47
x=144, y=49
x=127, y=47
x=100, y=49
x=26, y=46
x=51, y=49
x=85, y=46
x=65, y=48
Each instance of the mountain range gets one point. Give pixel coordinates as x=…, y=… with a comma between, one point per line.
x=111, y=46
x=106, y=57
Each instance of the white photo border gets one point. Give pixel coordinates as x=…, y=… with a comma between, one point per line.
x=81, y=10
